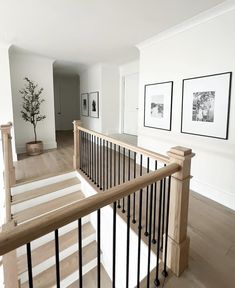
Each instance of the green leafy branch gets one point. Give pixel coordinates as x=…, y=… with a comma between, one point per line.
x=31, y=104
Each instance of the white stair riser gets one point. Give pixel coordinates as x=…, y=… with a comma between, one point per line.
x=49, y=237
x=44, y=198
x=40, y=183
x=51, y=261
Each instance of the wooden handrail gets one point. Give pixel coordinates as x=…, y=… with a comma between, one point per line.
x=148, y=153
x=34, y=229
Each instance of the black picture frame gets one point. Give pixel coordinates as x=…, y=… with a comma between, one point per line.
x=94, y=104
x=210, y=125
x=85, y=111
x=167, y=119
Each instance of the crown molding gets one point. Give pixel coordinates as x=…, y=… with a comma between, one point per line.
x=203, y=17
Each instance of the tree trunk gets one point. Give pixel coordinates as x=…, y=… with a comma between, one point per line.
x=35, y=134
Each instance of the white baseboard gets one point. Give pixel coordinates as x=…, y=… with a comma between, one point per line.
x=223, y=197
x=46, y=145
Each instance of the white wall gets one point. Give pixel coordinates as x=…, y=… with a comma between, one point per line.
x=103, y=78
x=91, y=81
x=126, y=69
x=6, y=112
x=40, y=70
x=67, y=100
x=198, y=48
x=110, y=99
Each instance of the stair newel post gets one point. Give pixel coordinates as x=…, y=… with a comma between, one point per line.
x=178, y=241
x=10, y=263
x=76, y=134
x=12, y=168
x=9, y=171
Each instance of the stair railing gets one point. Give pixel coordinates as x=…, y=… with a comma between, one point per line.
x=108, y=162
x=128, y=180
x=25, y=233
x=9, y=170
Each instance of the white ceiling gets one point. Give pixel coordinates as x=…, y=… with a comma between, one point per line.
x=90, y=31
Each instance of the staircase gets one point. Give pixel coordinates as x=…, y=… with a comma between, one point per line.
x=38, y=198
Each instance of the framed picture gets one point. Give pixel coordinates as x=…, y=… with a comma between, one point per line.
x=84, y=104
x=158, y=105
x=205, y=105
x=94, y=104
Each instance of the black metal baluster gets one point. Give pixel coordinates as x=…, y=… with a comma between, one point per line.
x=95, y=160
x=107, y=165
x=124, y=178
x=154, y=209
x=98, y=164
x=163, y=210
x=114, y=244
x=85, y=153
x=29, y=260
x=128, y=223
x=57, y=258
x=114, y=165
x=147, y=204
x=80, y=149
x=92, y=158
x=128, y=240
x=98, y=249
x=119, y=172
x=156, y=281
x=150, y=234
x=140, y=226
x=111, y=166
x=134, y=220
x=164, y=272
x=129, y=165
x=80, y=251
x=103, y=165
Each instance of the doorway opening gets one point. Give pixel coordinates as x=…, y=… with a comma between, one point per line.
x=67, y=106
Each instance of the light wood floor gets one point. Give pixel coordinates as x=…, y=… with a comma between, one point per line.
x=50, y=162
x=211, y=226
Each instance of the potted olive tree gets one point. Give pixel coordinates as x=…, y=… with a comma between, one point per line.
x=31, y=113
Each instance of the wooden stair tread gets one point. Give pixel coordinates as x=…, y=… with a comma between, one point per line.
x=20, y=182
x=90, y=279
x=21, y=197
x=47, y=207
x=47, y=250
x=69, y=265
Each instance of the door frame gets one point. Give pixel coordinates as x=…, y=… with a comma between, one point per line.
x=123, y=82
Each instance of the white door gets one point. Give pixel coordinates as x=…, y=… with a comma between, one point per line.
x=130, y=104
x=57, y=106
